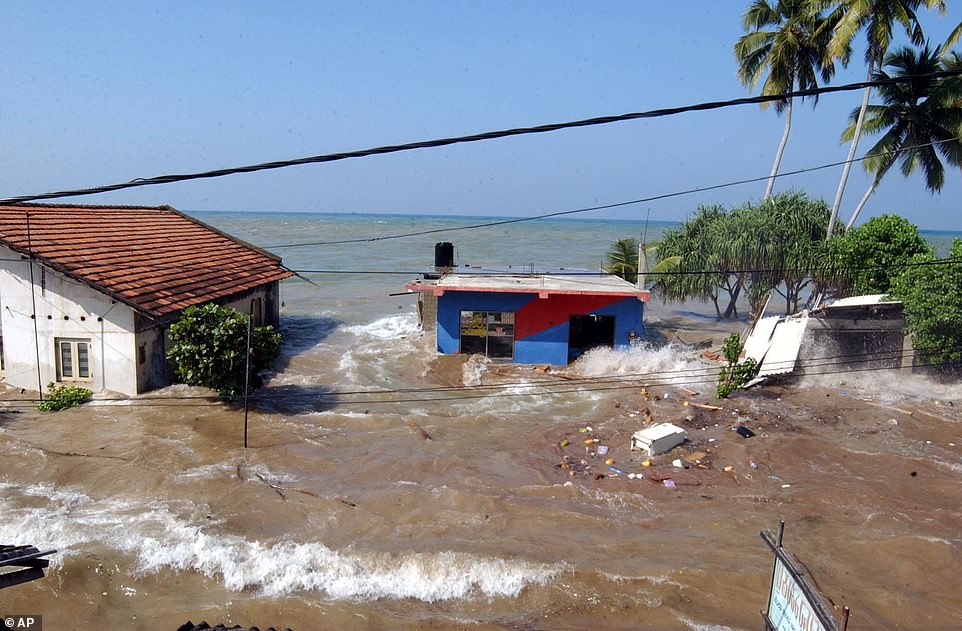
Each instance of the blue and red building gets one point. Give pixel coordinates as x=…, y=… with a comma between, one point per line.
x=530, y=318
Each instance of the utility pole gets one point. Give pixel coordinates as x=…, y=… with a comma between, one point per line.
x=247, y=374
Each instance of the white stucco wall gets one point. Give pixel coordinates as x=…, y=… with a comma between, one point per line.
x=266, y=294
x=65, y=309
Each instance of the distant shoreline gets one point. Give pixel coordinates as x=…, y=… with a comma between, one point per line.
x=420, y=216
x=652, y=224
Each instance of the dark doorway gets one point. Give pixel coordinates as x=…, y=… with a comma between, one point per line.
x=589, y=331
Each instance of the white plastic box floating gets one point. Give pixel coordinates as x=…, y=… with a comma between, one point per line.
x=658, y=439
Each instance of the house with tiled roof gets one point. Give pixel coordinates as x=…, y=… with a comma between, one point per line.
x=88, y=293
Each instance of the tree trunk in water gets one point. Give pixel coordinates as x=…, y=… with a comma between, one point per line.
x=851, y=155
x=781, y=150
x=789, y=286
x=731, y=310
x=858, y=209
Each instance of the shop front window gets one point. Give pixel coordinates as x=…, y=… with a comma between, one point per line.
x=488, y=333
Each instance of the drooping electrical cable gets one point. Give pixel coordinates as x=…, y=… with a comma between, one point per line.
x=811, y=367
x=574, y=211
x=491, y=135
x=91, y=267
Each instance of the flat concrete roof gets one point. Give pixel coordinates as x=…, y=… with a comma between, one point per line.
x=862, y=301
x=542, y=284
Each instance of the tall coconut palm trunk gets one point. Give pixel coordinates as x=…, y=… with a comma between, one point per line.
x=919, y=119
x=780, y=151
x=853, y=147
x=785, y=43
x=863, y=201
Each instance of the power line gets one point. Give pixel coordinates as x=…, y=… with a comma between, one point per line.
x=93, y=267
x=642, y=200
x=708, y=378
x=491, y=135
x=799, y=270
x=707, y=374
x=681, y=377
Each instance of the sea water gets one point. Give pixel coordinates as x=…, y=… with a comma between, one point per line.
x=340, y=513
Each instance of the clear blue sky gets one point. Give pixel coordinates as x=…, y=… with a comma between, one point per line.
x=102, y=92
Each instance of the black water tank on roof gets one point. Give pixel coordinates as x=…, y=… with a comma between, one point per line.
x=443, y=254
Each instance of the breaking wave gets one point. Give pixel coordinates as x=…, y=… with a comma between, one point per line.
x=159, y=539
x=697, y=626
x=387, y=328
x=893, y=386
x=668, y=364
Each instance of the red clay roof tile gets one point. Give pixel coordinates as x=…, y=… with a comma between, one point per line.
x=153, y=258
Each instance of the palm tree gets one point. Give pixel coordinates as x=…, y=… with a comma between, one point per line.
x=920, y=119
x=877, y=18
x=622, y=259
x=701, y=276
x=952, y=38
x=788, y=39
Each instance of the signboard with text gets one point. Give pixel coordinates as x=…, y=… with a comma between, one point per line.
x=793, y=603
x=788, y=607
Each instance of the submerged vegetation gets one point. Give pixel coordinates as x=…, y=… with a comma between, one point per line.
x=737, y=372
x=209, y=345
x=62, y=397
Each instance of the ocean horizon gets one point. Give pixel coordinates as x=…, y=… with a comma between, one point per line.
x=384, y=227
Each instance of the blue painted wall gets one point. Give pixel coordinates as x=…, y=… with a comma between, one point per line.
x=536, y=342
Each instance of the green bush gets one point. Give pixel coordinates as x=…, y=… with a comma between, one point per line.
x=932, y=298
x=63, y=397
x=736, y=374
x=873, y=254
x=209, y=348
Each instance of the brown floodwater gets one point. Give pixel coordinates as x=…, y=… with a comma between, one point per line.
x=343, y=514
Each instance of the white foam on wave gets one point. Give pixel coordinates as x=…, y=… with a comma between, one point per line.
x=382, y=348
x=472, y=371
x=669, y=364
x=110, y=399
x=387, y=328
x=697, y=626
x=290, y=378
x=891, y=386
x=347, y=366
x=207, y=471
x=519, y=398
x=220, y=469
x=951, y=466
x=337, y=414
x=71, y=521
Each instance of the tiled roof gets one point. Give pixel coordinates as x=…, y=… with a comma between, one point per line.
x=153, y=258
